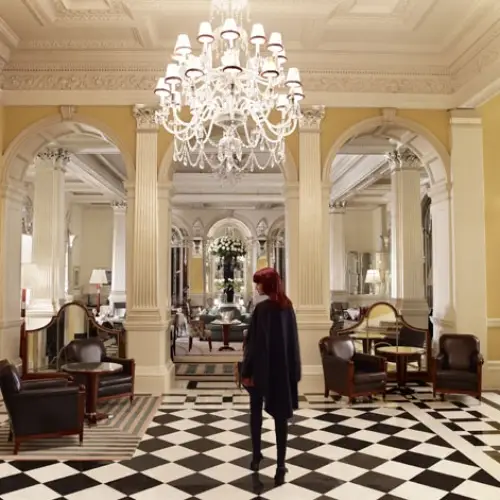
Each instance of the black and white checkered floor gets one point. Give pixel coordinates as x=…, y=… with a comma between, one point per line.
x=198, y=447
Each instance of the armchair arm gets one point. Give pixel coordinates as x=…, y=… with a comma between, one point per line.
x=128, y=364
x=48, y=392
x=337, y=372
x=369, y=363
x=29, y=385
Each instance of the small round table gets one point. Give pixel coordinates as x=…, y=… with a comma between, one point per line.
x=225, y=336
x=92, y=372
x=401, y=353
x=367, y=338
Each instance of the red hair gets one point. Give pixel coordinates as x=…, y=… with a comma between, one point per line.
x=272, y=286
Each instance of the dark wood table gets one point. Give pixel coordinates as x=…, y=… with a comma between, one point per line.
x=401, y=353
x=92, y=372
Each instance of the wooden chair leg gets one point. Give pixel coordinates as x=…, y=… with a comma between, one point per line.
x=327, y=391
x=80, y=437
x=131, y=398
x=190, y=343
x=17, y=445
x=210, y=343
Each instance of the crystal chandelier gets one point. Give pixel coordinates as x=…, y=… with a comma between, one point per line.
x=232, y=106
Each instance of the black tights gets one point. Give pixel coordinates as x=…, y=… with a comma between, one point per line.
x=281, y=427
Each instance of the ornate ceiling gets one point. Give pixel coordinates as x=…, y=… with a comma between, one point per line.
x=413, y=53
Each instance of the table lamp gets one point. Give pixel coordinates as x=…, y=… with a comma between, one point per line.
x=98, y=278
x=373, y=279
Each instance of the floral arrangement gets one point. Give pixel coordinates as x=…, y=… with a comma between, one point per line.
x=225, y=246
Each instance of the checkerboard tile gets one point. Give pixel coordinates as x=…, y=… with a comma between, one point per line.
x=198, y=448
x=379, y=452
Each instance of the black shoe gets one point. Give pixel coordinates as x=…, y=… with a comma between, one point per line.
x=255, y=463
x=279, y=477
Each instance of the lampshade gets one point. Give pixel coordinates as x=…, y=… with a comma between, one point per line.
x=98, y=277
x=30, y=276
x=372, y=277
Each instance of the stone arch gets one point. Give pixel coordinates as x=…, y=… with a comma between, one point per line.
x=422, y=141
x=166, y=170
x=276, y=226
x=179, y=223
x=27, y=143
x=245, y=227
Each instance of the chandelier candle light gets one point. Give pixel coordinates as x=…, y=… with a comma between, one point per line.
x=232, y=101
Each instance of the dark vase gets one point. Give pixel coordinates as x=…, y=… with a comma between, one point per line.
x=230, y=296
x=228, y=268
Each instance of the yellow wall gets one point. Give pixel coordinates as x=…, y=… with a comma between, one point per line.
x=490, y=113
x=196, y=275
x=262, y=263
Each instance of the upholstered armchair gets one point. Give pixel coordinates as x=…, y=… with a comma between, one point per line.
x=196, y=329
x=113, y=385
x=457, y=369
x=350, y=373
x=43, y=408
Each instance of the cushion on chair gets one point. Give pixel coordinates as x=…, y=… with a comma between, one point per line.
x=366, y=378
x=115, y=378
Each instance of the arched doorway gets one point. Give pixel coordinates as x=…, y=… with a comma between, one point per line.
x=435, y=161
x=94, y=170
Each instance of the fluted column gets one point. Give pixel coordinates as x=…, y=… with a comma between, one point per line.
x=337, y=251
x=312, y=213
x=407, y=241
x=12, y=197
x=119, y=263
x=443, y=310
x=49, y=233
x=129, y=234
x=291, y=192
x=468, y=228
x=164, y=245
x=146, y=316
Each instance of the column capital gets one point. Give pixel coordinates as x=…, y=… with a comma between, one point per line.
x=337, y=207
x=145, y=117
x=311, y=117
x=119, y=206
x=404, y=159
x=291, y=190
x=439, y=192
x=56, y=157
x=468, y=117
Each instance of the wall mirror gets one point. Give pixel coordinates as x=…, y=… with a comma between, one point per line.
x=383, y=331
x=41, y=345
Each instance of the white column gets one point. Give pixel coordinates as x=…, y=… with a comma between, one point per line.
x=313, y=243
x=76, y=229
x=311, y=216
x=337, y=252
x=11, y=205
x=146, y=316
x=443, y=310
x=129, y=237
x=407, y=241
x=119, y=262
x=468, y=225
x=49, y=234
x=164, y=245
x=292, y=240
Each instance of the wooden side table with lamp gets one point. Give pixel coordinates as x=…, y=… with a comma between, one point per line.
x=98, y=278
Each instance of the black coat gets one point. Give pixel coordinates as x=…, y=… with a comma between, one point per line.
x=272, y=358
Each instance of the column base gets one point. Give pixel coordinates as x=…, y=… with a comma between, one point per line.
x=313, y=324
x=414, y=311
x=154, y=380
x=339, y=296
x=117, y=296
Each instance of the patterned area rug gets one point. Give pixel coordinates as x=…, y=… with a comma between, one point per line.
x=113, y=439
x=204, y=371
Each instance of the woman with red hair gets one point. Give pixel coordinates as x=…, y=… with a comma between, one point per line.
x=271, y=365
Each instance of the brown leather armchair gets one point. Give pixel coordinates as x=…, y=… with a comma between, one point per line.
x=350, y=373
x=43, y=408
x=457, y=369
x=92, y=350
